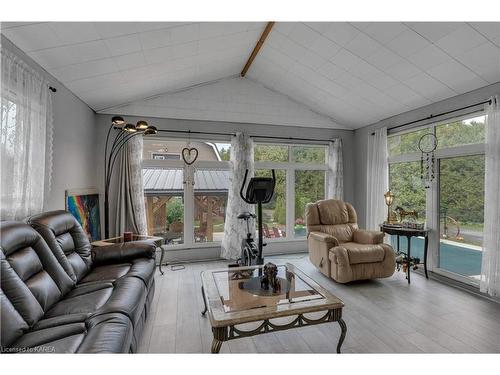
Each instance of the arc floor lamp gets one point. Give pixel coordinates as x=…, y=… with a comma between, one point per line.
x=124, y=133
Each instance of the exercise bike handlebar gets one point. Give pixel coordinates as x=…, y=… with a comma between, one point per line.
x=245, y=182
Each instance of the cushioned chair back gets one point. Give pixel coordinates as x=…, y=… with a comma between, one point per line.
x=32, y=280
x=331, y=216
x=67, y=240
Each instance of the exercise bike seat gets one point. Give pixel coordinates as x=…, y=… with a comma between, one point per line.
x=246, y=215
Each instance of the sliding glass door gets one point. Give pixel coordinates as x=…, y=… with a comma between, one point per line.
x=453, y=204
x=461, y=204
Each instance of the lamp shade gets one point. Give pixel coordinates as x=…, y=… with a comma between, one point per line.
x=130, y=128
x=141, y=125
x=150, y=130
x=118, y=121
x=389, y=198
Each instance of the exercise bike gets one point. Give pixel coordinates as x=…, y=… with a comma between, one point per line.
x=249, y=249
x=260, y=190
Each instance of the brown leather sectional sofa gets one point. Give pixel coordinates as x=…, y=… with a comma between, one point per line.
x=59, y=295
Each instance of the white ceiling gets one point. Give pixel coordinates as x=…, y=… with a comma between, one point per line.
x=355, y=73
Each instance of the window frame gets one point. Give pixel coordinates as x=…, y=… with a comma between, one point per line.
x=432, y=207
x=290, y=167
x=188, y=191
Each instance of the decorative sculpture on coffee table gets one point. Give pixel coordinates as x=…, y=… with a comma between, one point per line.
x=269, y=277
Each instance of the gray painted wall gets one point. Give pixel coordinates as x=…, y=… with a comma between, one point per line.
x=361, y=135
x=74, y=138
x=103, y=122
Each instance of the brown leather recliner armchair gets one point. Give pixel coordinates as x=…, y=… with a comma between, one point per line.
x=342, y=251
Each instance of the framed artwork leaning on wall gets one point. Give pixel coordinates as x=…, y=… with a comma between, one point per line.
x=83, y=204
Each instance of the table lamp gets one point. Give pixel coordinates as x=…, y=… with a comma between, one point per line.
x=389, y=199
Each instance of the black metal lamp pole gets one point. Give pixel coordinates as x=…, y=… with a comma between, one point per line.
x=125, y=133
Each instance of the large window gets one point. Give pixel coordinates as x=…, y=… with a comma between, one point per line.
x=461, y=204
x=300, y=178
x=463, y=132
x=309, y=187
x=407, y=187
x=453, y=206
x=25, y=139
x=210, y=200
x=274, y=212
x=185, y=205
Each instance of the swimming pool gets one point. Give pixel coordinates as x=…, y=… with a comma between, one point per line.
x=454, y=258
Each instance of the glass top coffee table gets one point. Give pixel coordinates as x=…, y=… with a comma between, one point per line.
x=233, y=297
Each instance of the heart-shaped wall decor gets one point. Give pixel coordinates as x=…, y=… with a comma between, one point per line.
x=189, y=155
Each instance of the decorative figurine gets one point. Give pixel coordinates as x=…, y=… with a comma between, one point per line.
x=269, y=277
x=403, y=213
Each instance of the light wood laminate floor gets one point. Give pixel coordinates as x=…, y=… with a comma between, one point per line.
x=382, y=316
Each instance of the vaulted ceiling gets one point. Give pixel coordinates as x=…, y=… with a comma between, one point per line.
x=354, y=73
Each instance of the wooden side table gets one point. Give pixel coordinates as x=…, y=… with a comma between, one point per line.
x=409, y=233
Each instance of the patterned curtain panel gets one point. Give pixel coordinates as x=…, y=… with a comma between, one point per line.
x=130, y=204
x=234, y=229
x=377, y=179
x=336, y=170
x=26, y=139
x=490, y=272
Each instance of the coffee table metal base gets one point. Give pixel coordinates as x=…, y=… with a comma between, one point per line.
x=231, y=332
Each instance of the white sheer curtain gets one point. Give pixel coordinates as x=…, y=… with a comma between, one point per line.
x=26, y=139
x=130, y=204
x=377, y=179
x=336, y=170
x=234, y=229
x=490, y=272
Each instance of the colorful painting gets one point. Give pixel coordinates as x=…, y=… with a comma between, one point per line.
x=84, y=205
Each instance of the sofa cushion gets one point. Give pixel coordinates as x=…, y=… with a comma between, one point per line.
x=66, y=338
x=67, y=240
x=142, y=268
x=61, y=320
x=12, y=323
x=31, y=277
x=128, y=297
x=107, y=273
x=108, y=333
x=359, y=253
x=87, y=302
x=125, y=295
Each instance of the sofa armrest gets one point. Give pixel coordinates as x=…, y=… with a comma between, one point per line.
x=323, y=237
x=368, y=237
x=123, y=252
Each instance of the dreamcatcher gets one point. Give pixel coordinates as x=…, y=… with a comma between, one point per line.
x=427, y=145
x=189, y=155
